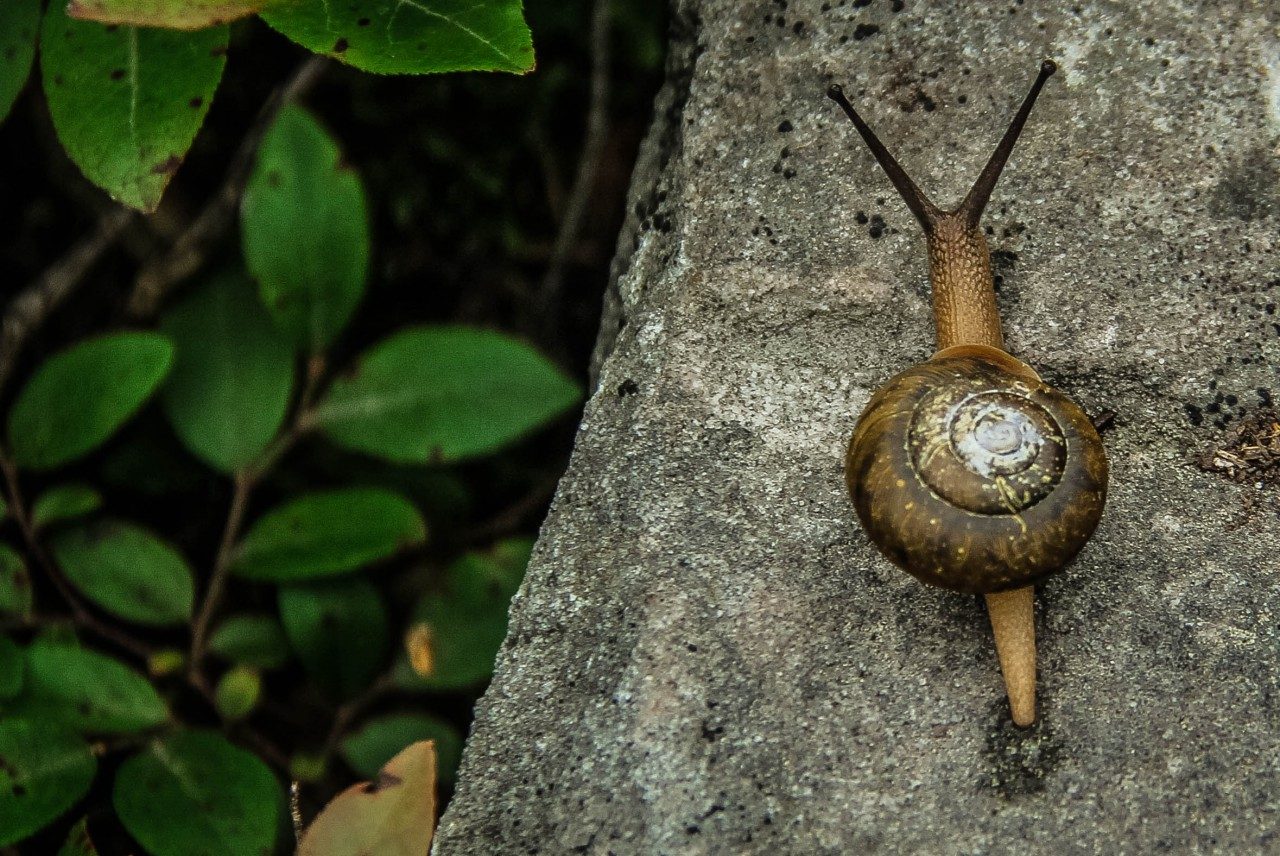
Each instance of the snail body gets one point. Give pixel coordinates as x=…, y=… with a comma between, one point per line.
x=968, y=471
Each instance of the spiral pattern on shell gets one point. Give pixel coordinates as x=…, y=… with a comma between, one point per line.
x=974, y=475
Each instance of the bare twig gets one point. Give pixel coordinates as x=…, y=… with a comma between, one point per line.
x=575, y=211
x=218, y=579
x=29, y=309
x=349, y=712
x=188, y=251
x=244, y=483
x=513, y=515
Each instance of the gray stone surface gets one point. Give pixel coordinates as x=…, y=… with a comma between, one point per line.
x=708, y=656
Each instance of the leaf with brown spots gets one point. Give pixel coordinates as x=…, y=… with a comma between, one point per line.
x=412, y=36
x=394, y=815
x=19, y=23
x=172, y=14
x=120, y=97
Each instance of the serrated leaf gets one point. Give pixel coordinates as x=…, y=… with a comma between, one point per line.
x=78, y=398
x=393, y=815
x=64, y=502
x=86, y=691
x=46, y=770
x=251, y=640
x=232, y=374
x=175, y=14
x=19, y=24
x=126, y=102
x=412, y=36
x=78, y=842
x=466, y=621
x=434, y=394
x=380, y=739
x=12, y=667
x=339, y=631
x=305, y=230
x=127, y=571
x=15, y=584
x=194, y=794
x=327, y=533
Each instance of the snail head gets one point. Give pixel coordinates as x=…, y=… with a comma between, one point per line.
x=969, y=212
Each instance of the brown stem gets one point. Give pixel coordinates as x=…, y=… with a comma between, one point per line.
x=1013, y=623
x=188, y=251
x=221, y=570
x=575, y=213
x=28, y=310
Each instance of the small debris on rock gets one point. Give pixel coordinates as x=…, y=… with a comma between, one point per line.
x=1249, y=452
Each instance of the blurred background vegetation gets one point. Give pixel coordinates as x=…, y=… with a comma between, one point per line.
x=469, y=179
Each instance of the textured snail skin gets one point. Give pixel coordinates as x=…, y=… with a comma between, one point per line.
x=944, y=542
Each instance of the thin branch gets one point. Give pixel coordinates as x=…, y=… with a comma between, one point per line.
x=509, y=518
x=28, y=311
x=188, y=252
x=349, y=712
x=575, y=212
x=218, y=580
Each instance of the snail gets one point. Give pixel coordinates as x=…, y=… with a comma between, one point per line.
x=968, y=471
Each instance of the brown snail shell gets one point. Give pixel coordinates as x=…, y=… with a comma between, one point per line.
x=972, y=474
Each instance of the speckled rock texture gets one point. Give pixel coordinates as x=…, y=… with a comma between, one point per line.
x=708, y=656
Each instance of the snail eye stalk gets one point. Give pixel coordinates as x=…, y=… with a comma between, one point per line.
x=970, y=210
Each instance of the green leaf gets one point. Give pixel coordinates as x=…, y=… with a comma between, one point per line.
x=412, y=36
x=127, y=571
x=64, y=502
x=15, y=584
x=194, y=794
x=443, y=393
x=86, y=691
x=19, y=23
x=251, y=640
x=322, y=534
x=464, y=623
x=339, y=631
x=379, y=740
x=12, y=666
x=305, y=230
x=232, y=374
x=46, y=770
x=237, y=693
x=77, y=399
x=175, y=14
x=127, y=102
x=78, y=842
x=394, y=814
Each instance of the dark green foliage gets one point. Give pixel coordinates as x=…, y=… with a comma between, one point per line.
x=466, y=620
x=339, y=631
x=85, y=691
x=80, y=397
x=251, y=640
x=46, y=769
x=306, y=232
x=412, y=36
x=127, y=571
x=313, y=452
x=323, y=534
x=232, y=373
x=145, y=90
x=441, y=394
x=379, y=740
x=194, y=794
